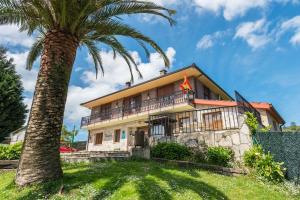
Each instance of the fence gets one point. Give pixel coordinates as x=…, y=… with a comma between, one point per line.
x=245, y=106
x=285, y=147
x=212, y=119
x=136, y=108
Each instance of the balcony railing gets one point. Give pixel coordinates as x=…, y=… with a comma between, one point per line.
x=136, y=108
x=211, y=119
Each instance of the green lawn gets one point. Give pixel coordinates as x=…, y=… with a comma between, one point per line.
x=142, y=180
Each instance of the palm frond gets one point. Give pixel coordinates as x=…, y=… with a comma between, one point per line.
x=133, y=7
x=113, y=28
x=118, y=47
x=94, y=52
x=35, y=51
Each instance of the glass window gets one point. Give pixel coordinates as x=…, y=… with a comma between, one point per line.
x=206, y=91
x=158, y=129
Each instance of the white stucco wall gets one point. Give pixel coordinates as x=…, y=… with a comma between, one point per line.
x=18, y=137
x=267, y=120
x=107, y=143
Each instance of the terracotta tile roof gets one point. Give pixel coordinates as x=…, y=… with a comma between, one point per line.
x=258, y=105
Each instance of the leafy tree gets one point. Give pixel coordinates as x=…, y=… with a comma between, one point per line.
x=12, y=109
x=293, y=127
x=64, y=26
x=68, y=136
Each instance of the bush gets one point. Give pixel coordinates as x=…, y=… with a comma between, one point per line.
x=10, y=152
x=199, y=156
x=253, y=155
x=264, y=165
x=221, y=156
x=171, y=151
x=252, y=122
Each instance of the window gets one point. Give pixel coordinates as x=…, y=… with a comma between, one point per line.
x=213, y=121
x=106, y=111
x=185, y=124
x=206, y=92
x=184, y=121
x=98, y=138
x=158, y=129
x=117, y=135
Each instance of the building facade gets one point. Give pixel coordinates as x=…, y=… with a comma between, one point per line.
x=158, y=110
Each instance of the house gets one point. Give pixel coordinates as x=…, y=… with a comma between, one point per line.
x=159, y=110
x=17, y=135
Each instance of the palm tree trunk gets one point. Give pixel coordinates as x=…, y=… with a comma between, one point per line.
x=40, y=159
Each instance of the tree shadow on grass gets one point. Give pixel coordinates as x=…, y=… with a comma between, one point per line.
x=151, y=181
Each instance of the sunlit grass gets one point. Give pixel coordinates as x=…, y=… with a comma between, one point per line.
x=141, y=180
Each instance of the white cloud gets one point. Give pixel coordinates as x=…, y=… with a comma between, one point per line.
x=116, y=74
x=292, y=24
x=234, y=8
x=207, y=41
x=165, y=2
x=10, y=35
x=229, y=8
x=254, y=33
x=28, y=76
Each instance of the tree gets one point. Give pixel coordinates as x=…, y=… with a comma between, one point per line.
x=68, y=136
x=64, y=26
x=12, y=109
x=293, y=127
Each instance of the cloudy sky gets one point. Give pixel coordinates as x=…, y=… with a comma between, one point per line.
x=250, y=46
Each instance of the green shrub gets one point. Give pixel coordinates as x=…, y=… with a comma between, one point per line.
x=10, y=152
x=221, y=156
x=199, y=156
x=171, y=151
x=252, y=122
x=264, y=165
x=253, y=155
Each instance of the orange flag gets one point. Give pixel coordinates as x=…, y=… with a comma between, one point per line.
x=185, y=86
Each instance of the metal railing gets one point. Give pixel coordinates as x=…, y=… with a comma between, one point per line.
x=245, y=106
x=144, y=106
x=212, y=119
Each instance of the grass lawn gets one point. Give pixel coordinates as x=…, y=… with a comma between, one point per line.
x=142, y=180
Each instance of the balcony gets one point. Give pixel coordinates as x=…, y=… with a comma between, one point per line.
x=136, y=108
x=210, y=119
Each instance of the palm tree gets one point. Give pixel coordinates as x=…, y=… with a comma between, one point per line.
x=63, y=26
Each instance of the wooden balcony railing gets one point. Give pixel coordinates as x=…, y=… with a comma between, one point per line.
x=211, y=119
x=136, y=108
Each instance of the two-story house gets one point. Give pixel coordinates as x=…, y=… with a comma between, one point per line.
x=157, y=109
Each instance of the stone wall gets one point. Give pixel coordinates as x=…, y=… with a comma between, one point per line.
x=238, y=140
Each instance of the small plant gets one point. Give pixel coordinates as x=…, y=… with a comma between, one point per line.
x=270, y=170
x=199, y=156
x=263, y=164
x=265, y=129
x=253, y=155
x=220, y=156
x=10, y=152
x=172, y=151
x=252, y=122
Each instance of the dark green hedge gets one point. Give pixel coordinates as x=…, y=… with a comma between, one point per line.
x=171, y=151
x=285, y=147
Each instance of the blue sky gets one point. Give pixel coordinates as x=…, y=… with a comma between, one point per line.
x=250, y=46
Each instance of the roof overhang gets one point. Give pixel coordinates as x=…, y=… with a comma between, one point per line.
x=159, y=81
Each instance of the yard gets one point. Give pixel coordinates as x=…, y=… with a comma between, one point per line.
x=142, y=180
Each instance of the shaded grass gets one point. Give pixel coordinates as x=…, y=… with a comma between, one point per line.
x=141, y=180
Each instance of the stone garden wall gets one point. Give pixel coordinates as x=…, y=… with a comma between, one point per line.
x=239, y=140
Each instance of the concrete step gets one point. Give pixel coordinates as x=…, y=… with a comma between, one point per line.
x=94, y=156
